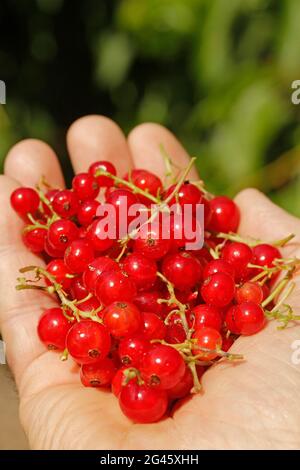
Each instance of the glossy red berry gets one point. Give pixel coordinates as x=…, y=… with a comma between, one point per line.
x=249, y=318
x=77, y=289
x=183, y=270
x=151, y=243
x=188, y=193
x=207, y=338
x=148, y=301
x=218, y=290
x=53, y=328
x=65, y=203
x=142, y=270
x=99, y=374
x=249, y=292
x=238, y=255
x=115, y=286
x=25, y=201
x=121, y=201
x=162, y=367
x=182, y=388
x=225, y=215
x=142, y=404
x=61, y=233
x=59, y=271
x=87, y=212
x=218, y=266
x=89, y=305
x=265, y=255
x=122, y=319
x=153, y=326
x=205, y=316
x=184, y=231
x=175, y=333
x=146, y=181
x=88, y=342
x=132, y=350
x=34, y=239
x=52, y=252
x=96, y=268
x=103, y=181
x=78, y=254
x=98, y=236
x=227, y=342
x=85, y=186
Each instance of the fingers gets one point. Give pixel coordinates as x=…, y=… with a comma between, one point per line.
x=262, y=219
x=19, y=311
x=93, y=138
x=31, y=159
x=145, y=143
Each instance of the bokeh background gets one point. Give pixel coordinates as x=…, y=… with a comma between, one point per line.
x=218, y=73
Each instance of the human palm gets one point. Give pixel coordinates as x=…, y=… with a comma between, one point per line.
x=253, y=404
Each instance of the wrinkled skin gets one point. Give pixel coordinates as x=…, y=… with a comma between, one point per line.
x=254, y=404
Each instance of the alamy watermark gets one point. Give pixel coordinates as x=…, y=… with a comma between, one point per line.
x=2, y=92
x=296, y=94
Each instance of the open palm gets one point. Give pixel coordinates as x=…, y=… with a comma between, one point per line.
x=254, y=404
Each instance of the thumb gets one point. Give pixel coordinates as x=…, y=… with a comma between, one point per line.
x=261, y=218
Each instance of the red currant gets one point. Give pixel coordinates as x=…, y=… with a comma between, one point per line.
x=217, y=266
x=88, y=342
x=162, y=367
x=151, y=243
x=65, y=203
x=132, y=350
x=53, y=328
x=188, y=193
x=122, y=319
x=154, y=327
x=248, y=317
x=115, y=286
x=142, y=270
x=238, y=255
x=87, y=212
x=218, y=290
x=207, y=338
x=249, y=292
x=175, y=334
x=103, y=181
x=59, y=271
x=61, y=233
x=99, y=374
x=182, y=270
x=95, y=269
x=78, y=254
x=265, y=255
x=146, y=181
x=77, y=289
x=34, y=239
x=225, y=215
x=148, y=301
x=25, y=201
x=142, y=404
x=121, y=200
x=85, y=186
x=205, y=316
x=97, y=235
x=182, y=388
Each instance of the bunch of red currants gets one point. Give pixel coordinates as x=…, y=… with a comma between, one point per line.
x=143, y=315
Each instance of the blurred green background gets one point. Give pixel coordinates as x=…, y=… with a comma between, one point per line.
x=218, y=73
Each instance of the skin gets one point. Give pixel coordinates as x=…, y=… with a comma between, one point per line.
x=252, y=405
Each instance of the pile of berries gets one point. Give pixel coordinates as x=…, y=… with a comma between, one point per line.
x=143, y=315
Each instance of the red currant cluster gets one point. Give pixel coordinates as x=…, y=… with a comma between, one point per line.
x=142, y=315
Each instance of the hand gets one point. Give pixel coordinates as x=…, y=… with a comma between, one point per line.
x=254, y=404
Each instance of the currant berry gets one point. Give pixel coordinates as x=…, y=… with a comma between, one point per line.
x=115, y=286
x=52, y=252
x=218, y=266
x=238, y=255
x=61, y=233
x=78, y=254
x=249, y=318
x=175, y=334
x=154, y=327
x=99, y=238
x=132, y=350
x=249, y=292
x=34, y=239
x=207, y=338
x=77, y=289
x=95, y=269
x=122, y=319
x=146, y=181
x=183, y=270
x=87, y=212
x=182, y=388
x=265, y=255
x=142, y=404
x=142, y=270
x=99, y=374
x=53, y=328
x=103, y=181
x=151, y=243
x=89, y=305
x=85, y=186
x=65, y=203
x=25, y=201
x=162, y=367
x=205, y=316
x=218, y=290
x=225, y=215
x=148, y=301
x=49, y=196
x=188, y=193
x=59, y=271
x=229, y=320
x=88, y=342
x=184, y=231
x=122, y=200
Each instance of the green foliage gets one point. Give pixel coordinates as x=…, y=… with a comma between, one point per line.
x=218, y=73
